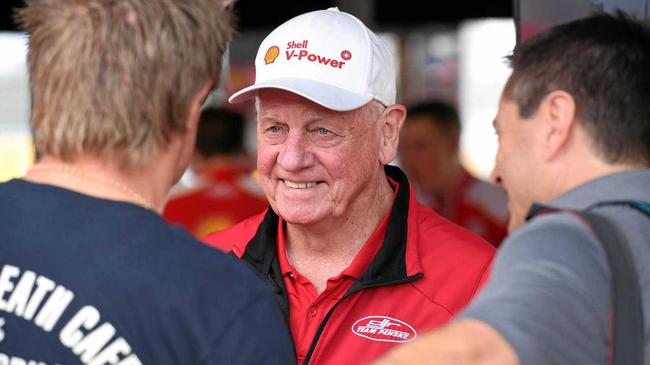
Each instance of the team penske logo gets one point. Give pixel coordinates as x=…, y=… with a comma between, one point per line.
x=384, y=329
x=298, y=51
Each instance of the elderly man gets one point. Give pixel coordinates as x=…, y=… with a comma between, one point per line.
x=90, y=273
x=356, y=263
x=574, y=133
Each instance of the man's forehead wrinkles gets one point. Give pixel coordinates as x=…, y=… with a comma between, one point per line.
x=308, y=115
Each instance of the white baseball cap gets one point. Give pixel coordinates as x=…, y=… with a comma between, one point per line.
x=327, y=56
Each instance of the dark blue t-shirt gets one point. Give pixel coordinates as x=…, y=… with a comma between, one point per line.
x=94, y=281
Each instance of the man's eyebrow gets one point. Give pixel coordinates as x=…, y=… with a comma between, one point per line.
x=316, y=118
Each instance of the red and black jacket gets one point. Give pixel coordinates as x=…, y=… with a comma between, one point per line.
x=425, y=272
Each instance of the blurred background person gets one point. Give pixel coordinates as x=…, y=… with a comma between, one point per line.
x=224, y=190
x=429, y=153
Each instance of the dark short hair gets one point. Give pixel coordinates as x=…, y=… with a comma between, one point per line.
x=441, y=113
x=220, y=132
x=603, y=61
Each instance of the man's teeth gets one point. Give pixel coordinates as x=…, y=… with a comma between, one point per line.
x=299, y=185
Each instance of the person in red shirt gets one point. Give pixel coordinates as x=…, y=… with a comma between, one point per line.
x=225, y=191
x=357, y=265
x=429, y=153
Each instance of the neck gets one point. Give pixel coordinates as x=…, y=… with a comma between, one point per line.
x=588, y=169
x=577, y=164
x=322, y=251
x=101, y=179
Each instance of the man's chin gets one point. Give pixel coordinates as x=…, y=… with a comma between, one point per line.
x=300, y=219
x=302, y=216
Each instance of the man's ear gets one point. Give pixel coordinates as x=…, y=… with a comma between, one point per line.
x=196, y=105
x=392, y=120
x=558, y=110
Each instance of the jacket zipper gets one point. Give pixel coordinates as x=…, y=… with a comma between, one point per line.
x=323, y=323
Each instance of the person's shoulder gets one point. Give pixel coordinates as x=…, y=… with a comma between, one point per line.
x=560, y=238
x=180, y=257
x=454, y=260
x=448, y=249
x=550, y=226
x=175, y=247
x=209, y=293
x=13, y=191
x=549, y=276
x=438, y=233
x=173, y=243
x=234, y=239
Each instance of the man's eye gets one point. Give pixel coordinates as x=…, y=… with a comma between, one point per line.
x=275, y=129
x=323, y=131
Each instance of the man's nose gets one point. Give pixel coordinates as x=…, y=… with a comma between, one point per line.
x=296, y=153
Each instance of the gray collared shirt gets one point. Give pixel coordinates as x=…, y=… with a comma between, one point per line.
x=549, y=291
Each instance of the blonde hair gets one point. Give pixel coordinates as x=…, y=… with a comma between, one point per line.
x=116, y=77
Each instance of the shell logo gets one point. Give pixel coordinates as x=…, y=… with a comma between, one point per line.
x=271, y=54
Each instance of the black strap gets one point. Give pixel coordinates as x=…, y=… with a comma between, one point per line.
x=629, y=338
x=628, y=325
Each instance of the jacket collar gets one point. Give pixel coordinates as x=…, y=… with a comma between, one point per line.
x=388, y=266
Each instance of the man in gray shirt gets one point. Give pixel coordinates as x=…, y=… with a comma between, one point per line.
x=574, y=132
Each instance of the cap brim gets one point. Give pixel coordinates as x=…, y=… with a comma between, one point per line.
x=326, y=95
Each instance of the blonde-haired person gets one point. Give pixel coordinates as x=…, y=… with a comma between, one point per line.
x=90, y=273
